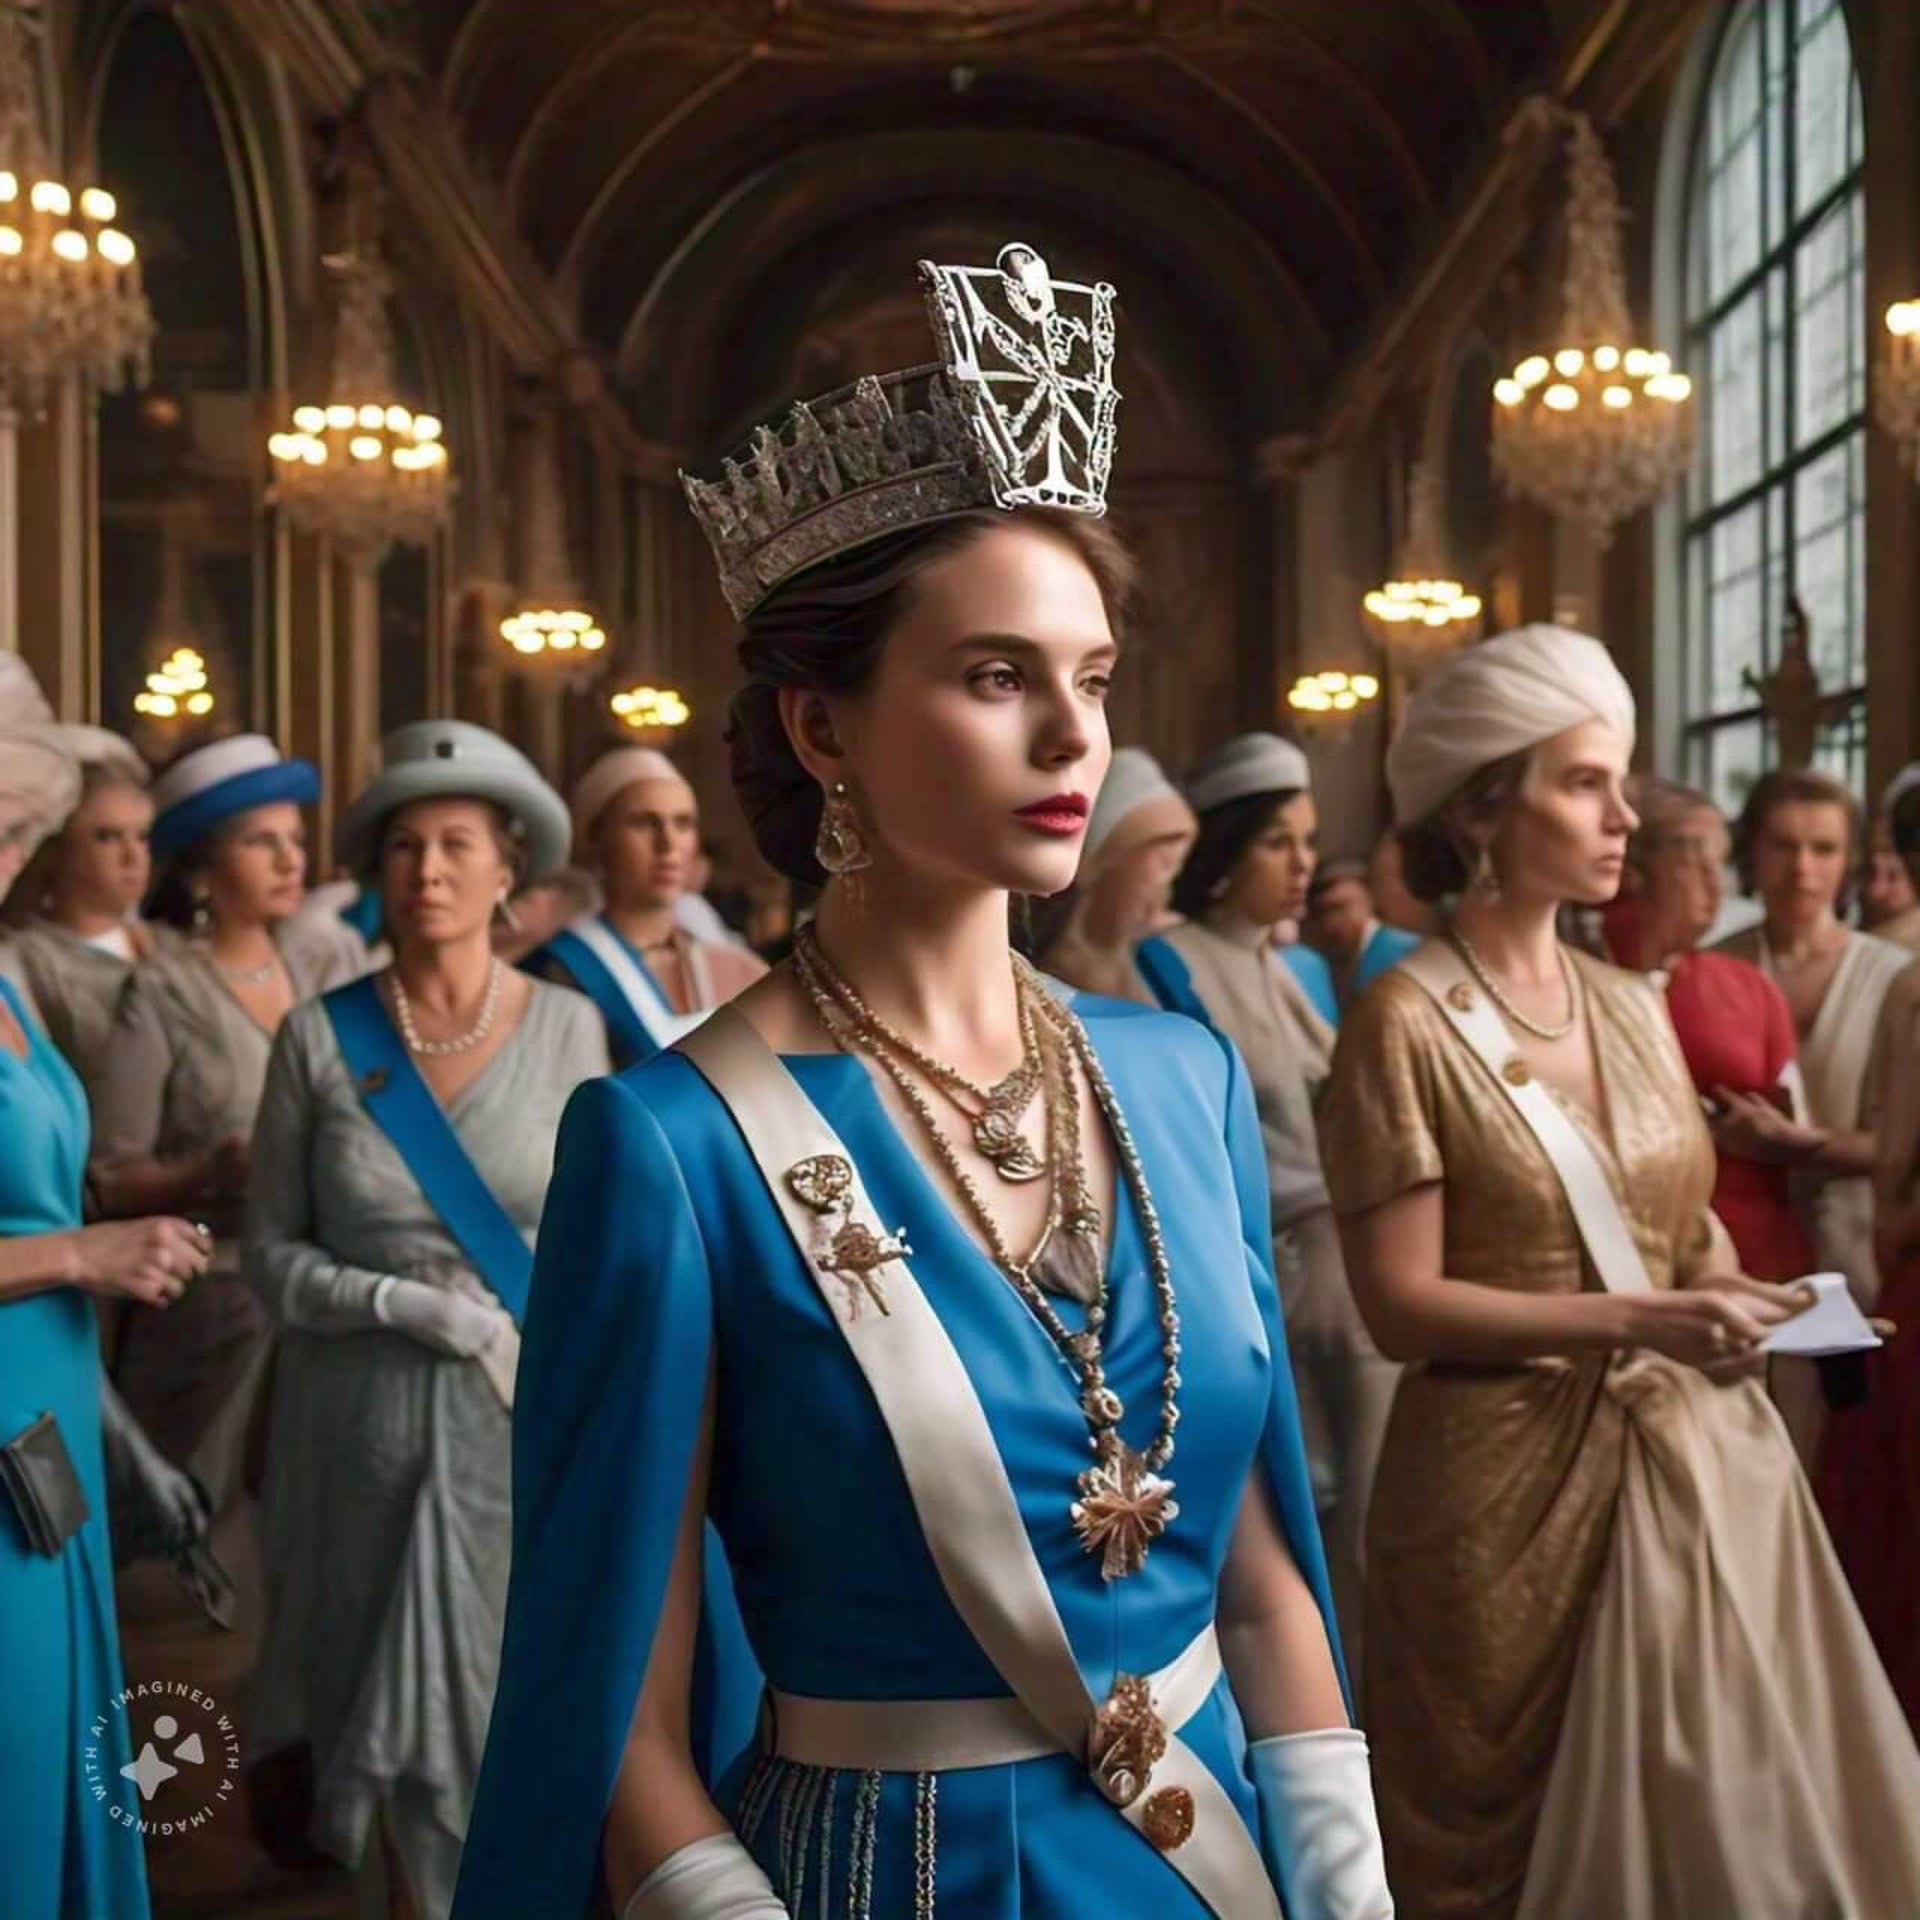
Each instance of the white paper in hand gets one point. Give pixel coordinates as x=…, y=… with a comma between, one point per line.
x=1833, y=1324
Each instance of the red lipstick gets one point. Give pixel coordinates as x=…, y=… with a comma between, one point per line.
x=1061, y=813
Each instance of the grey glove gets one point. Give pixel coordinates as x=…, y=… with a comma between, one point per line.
x=447, y=1322
x=711, y=1879
x=153, y=1507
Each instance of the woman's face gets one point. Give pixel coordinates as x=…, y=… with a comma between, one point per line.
x=443, y=871
x=102, y=864
x=1128, y=899
x=1269, y=881
x=1563, y=836
x=257, y=871
x=975, y=753
x=1685, y=877
x=1888, y=887
x=649, y=839
x=1801, y=853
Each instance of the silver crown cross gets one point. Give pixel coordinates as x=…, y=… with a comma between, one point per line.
x=1020, y=412
x=1032, y=358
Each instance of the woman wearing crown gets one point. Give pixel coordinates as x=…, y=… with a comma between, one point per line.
x=948, y=1300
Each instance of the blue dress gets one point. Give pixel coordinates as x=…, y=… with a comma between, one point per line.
x=63, y=1854
x=660, y=1248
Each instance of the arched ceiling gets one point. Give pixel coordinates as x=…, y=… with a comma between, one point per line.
x=1273, y=164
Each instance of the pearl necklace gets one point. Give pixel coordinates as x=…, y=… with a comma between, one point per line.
x=1481, y=973
x=247, y=976
x=462, y=1042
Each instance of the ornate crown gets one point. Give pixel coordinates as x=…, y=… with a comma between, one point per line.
x=1020, y=412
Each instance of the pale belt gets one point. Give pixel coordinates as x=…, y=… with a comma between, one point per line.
x=937, y=1736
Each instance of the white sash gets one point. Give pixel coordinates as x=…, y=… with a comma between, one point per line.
x=1438, y=967
x=954, y=1473
x=664, y=1026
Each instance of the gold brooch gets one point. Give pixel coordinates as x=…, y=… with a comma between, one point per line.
x=373, y=1080
x=1124, y=1506
x=822, y=1182
x=1460, y=997
x=1167, y=1818
x=1126, y=1741
x=847, y=1249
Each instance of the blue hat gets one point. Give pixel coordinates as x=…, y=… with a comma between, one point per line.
x=454, y=759
x=214, y=782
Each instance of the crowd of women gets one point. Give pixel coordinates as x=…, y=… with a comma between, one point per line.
x=713, y=1432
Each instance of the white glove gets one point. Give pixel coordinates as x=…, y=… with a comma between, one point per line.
x=1316, y=1816
x=447, y=1322
x=711, y=1879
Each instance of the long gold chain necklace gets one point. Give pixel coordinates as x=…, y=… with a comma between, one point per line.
x=1125, y=1502
x=995, y=1112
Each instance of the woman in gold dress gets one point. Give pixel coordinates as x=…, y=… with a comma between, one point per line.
x=1613, y=1670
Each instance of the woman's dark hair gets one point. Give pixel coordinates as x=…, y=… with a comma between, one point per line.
x=824, y=631
x=1903, y=827
x=1226, y=832
x=1807, y=787
x=1440, y=855
x=171, y=900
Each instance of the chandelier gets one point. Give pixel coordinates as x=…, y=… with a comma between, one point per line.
x=1422, y=610
x=363, y=470
x=177, y=688
x=1332, y=698
x=1597, y=428
x=1896, y=380
x=564, y=632
x=650, y=709
x=70, y=294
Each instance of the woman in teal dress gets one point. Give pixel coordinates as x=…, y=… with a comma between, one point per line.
x=63, y=1856
x=947, y=1300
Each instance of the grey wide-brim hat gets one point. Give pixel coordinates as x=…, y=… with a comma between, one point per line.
x=444, y=759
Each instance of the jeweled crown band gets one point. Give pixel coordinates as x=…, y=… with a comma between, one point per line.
x=1020, y=412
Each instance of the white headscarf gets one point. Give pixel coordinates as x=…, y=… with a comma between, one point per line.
x=613, y=773
x=1252, y=763
x=1500, y=698
x=1137, y=802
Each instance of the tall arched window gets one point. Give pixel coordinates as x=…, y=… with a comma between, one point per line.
x=1775, y=289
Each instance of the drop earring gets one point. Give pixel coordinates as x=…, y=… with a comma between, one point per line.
x=201, y=915
x=840, y=846
x=504, y=913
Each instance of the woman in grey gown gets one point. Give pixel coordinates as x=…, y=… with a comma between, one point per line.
x=175, y=1082
x=385, y=1511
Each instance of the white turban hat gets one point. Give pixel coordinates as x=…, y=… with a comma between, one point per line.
x=1253, y=763
x=612, y=774
x=1137, y=803
x=1500, y=698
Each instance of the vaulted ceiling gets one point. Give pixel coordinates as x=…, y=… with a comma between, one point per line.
x=1263, y=169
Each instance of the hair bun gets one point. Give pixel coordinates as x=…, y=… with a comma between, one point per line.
x=779, y=797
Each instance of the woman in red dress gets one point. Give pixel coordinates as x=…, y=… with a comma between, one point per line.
x=1733, y=1023
x=1870, y=1467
